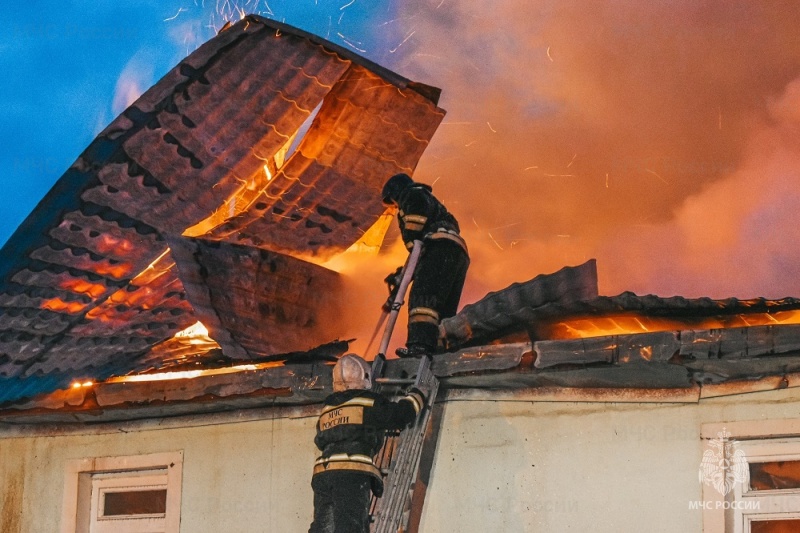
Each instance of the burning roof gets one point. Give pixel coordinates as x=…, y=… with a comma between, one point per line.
x=215, y=197
x=214, y=152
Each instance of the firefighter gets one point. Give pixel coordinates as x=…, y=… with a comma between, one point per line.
x=350, y=431
x=442, y=267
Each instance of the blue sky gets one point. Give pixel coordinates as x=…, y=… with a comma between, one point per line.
x=69, y=66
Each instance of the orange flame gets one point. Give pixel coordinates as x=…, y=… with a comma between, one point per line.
x=95, y=290
x=582, y=328
x=58, y=305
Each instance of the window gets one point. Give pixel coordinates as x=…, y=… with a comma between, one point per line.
x=132, y=494
x=751, y=477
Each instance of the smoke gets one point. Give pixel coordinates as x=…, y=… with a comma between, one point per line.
x=135, y=78
x=362, y=277
x=658, y=137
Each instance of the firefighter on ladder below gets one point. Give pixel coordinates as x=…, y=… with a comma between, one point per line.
x=350, y=431
x=442, y=267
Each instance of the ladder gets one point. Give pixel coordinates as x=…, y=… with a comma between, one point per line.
x=399, y=457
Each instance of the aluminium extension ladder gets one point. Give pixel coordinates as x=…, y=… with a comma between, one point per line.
x=399, y=458
x=400, y=455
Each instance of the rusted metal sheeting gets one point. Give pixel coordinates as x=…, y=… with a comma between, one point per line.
x=255, y=302
x=677, y=346
x=73, y=301
x=328, y=193
x=546, y=303
x=515, y=307
x=675, y=306
x=290, y=385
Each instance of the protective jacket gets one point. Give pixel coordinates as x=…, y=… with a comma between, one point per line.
x=422, y=217
x=352, y=426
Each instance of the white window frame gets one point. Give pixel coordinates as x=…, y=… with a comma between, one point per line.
x=78, y=477
x=761, y=441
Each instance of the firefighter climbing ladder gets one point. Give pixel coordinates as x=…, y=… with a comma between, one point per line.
x=399, y=457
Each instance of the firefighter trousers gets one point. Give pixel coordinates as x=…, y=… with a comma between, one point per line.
x=436, y=291
x=341, y=502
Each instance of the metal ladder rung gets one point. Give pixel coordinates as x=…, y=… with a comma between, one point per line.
x=396, y=381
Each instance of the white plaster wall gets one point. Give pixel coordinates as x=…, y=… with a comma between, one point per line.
x=555, y=467
x=501, y=466
x=237, y=477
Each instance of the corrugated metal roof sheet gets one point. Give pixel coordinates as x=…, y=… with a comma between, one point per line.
x=539, y=307
x=87, y=284
x=255, y=302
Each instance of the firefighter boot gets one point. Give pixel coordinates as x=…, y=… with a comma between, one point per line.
x=414, y=350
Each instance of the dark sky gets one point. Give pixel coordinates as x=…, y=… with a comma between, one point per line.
x=659, y=137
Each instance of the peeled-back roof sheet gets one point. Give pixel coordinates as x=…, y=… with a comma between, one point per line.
x=87, y=283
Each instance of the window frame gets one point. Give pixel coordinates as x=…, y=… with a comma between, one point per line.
x=79, y=474
x=761, y=441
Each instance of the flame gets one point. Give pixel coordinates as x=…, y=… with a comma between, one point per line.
x=583, y=328
x=58, y=305
x=363, y=249
x=192, y=374
x=196, y=335
x=195, y=330
x=77, y=285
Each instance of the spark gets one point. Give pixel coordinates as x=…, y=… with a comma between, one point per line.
x=470, y=143
x=656, y=175
x=399, y=18
x=440, y=4
x=339, y=22
x=606, y=180
x=564, y=236
x=453, y=123
x=548, y=55
x=269, y=9
x=180, y=10
x=719, y=120
x=493, y=240
x=559, y=175
x=573, y=160
x=437, y=179
x=393, y=50
x=476, y=224
x=491, y=128
x=347, y=5
x=506, y=226
x=351, y=45
x=528, y=168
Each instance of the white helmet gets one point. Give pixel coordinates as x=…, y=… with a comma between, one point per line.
x=351, y=372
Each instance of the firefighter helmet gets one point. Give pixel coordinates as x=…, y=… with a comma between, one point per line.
x=351, y=372
x=394, y=186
